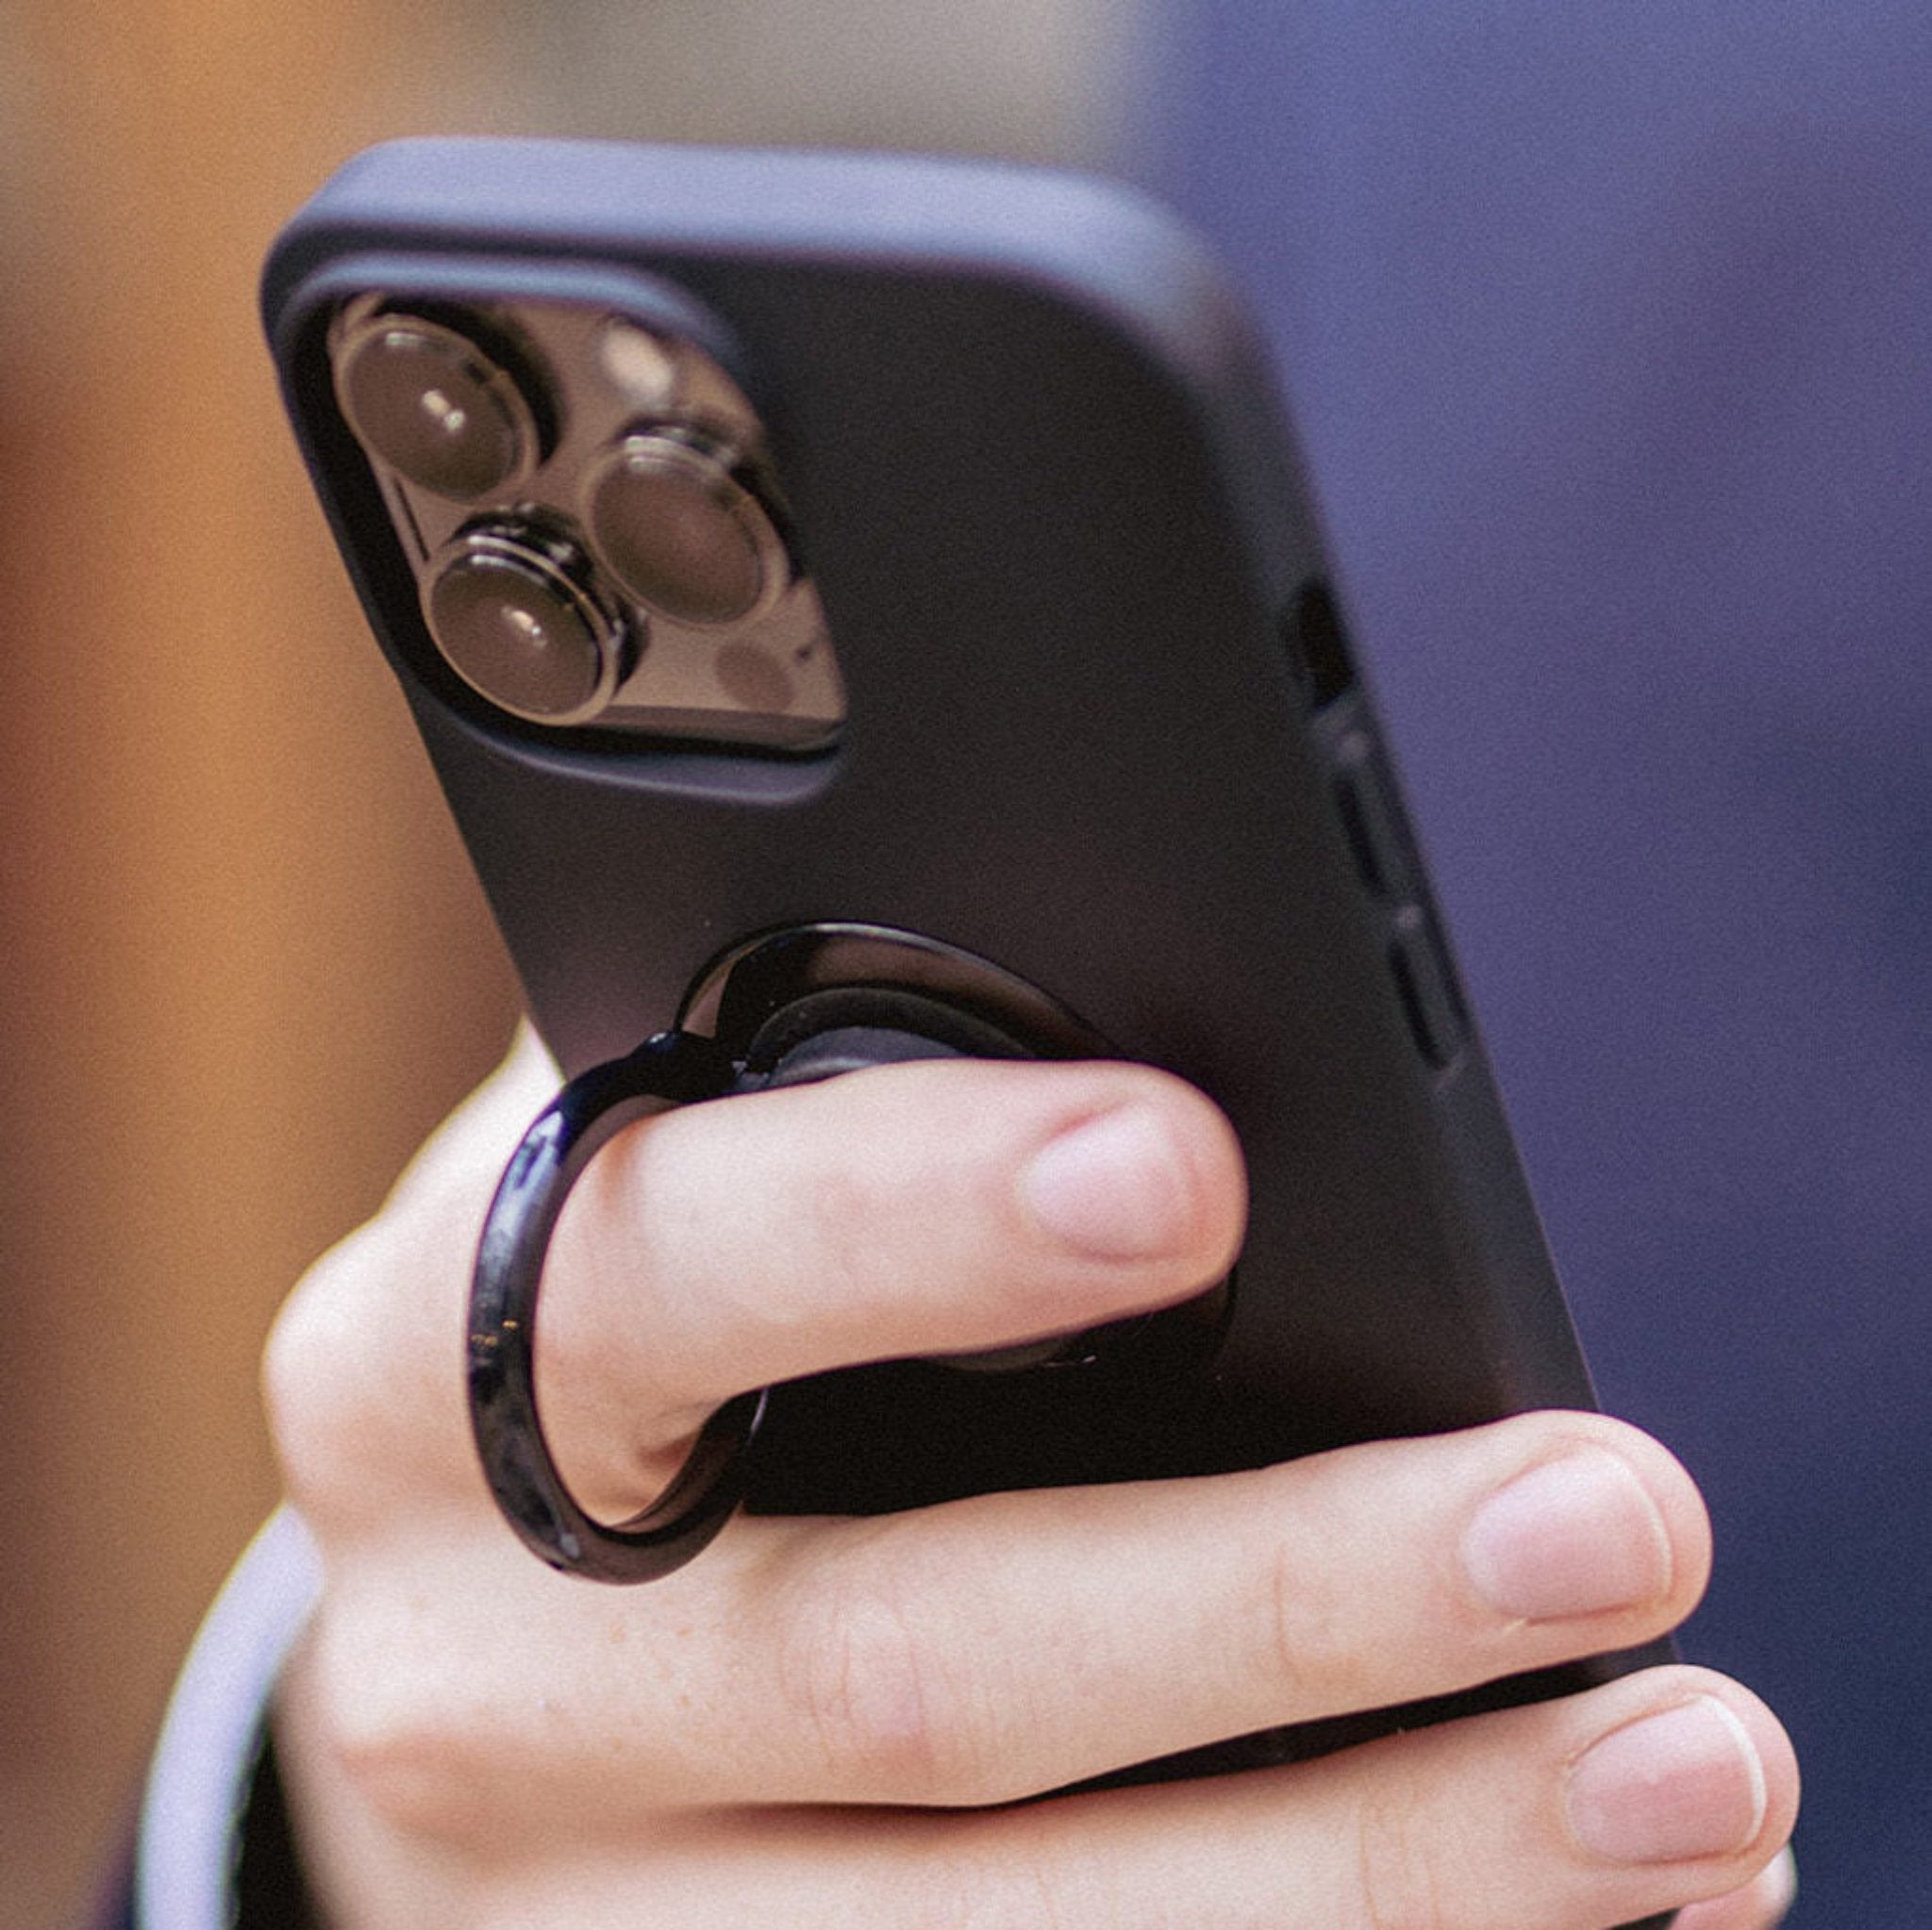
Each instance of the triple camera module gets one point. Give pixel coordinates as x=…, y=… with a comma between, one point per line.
x=589, y=510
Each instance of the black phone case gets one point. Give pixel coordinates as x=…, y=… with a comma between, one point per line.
x=1104, y=733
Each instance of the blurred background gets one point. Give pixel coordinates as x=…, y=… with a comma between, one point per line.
x=246, y=967
x=1610, y=334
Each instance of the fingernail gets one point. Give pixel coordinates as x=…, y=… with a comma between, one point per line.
x=1114, y=1186
x=1685, y=1783
x=1574, y=1537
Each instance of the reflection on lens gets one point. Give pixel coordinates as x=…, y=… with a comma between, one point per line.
x=513, y=613
x=430, y=404
x=680, y=532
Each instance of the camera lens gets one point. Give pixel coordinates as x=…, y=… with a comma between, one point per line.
x=434, y=407
x=514, y=611
x=678, y=529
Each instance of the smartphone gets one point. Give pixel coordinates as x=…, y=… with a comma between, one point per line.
x=847, y=591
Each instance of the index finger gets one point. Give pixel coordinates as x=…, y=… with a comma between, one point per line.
x=936, y=1207
x=902, y=1211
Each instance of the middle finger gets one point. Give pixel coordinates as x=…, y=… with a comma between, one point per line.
x=1014, y=1644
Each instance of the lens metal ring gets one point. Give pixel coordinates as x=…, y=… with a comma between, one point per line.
x=435, y=406
x=674, y=518
x=515, y=611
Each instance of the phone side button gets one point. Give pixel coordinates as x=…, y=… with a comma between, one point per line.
x=1369, y=819
x=1424, y=988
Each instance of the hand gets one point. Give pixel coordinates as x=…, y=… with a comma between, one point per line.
x=828, y=1723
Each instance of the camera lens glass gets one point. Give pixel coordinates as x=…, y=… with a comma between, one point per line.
x=513, y=613
x=433, y=406
x=680, y=532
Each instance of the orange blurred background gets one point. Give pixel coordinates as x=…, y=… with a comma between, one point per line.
x=246, y=967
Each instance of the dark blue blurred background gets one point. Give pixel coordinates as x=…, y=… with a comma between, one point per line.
x=1609, y=327
x=1609, y=331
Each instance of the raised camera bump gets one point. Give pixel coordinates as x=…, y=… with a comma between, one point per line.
x=516, y=611
x=678, y=522
x=436, y=406
x=482, y=412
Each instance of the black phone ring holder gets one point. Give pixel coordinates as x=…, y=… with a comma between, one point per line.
x=673, y=1068
x=788, y=1009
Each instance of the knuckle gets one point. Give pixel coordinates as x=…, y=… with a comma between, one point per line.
x=362, y=1410
x=1401, y=1879
x=397, y=1731
x=845, y=1211
x=1307, y=1640
x=308, y=1380
x=1019, y=1869
x=866, y=1671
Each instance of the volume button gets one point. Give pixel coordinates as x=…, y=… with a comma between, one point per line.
x=1370, y=820
x=1425, y=987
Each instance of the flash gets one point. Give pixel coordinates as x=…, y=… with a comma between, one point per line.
x=638, y=364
